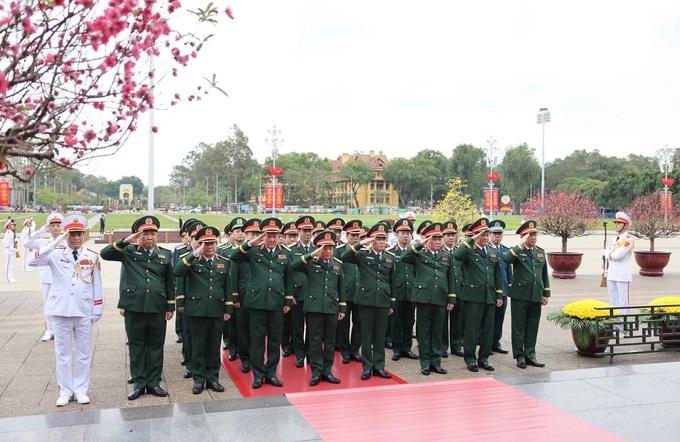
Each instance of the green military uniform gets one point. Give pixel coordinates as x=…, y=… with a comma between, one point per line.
x=452, y=318
x=457, y=318
x=325, y=298
x=403, y=316
x=147, y=293
x=206, y=301
x=287, y=333
x=269, y=289
x=297, y=311
x=349, y=342
x=481, y=290
x=433, y=289
x=374, y=298
x=530, y=283
x=176, y=252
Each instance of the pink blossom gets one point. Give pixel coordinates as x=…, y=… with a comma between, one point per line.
x=229, y=13
x=28, y=171
x=4, y=84
x=154, y=129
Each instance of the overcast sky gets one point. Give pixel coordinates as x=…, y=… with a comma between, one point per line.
x=398, y=77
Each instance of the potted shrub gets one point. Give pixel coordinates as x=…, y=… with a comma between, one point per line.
x=652, y=221
x=565, y=215
x=590, y=336
x=665, y=320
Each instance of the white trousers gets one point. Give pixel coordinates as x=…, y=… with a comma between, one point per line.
x=65, y=329
x=25, y=259
x=46, y=290
x=9, y=273
x=619, y=294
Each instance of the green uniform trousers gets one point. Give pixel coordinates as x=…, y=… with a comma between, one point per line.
x=146, y=338
x=321, y=328
x=456, y=327
x=402, y=320
x=373, y=328
x=349, y=331
x=206, y=336
x=265, y=323
x=429, y=324
x=525, y=317
x=478, y=325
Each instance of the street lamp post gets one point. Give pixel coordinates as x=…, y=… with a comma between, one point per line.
x=273, y=137
x=490, y=162
x=665, y=157
x=542, y=118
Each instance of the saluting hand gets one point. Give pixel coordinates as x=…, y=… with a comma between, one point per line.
x=365, y=241
x=199, y=250
x=132, y=239
x=450, y=307
x=259, y=240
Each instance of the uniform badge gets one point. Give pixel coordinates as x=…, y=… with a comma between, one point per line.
x=282, y=256
x=493, y=255
x=539, y=255
x=388, y=260
x=220, y=266
x=444, y=258
x=336, y=267
x=161, y=256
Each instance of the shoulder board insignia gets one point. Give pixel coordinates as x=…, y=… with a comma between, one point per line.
x=338, y=260
x=94, y=251
x=184, y=254
x=285, y=247
x=390, y=252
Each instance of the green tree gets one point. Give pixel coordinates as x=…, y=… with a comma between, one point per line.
x=468, y=163
x=439, y=161
x=519, y=171
x=305, y=177
x=413, y=179
x=359, y=174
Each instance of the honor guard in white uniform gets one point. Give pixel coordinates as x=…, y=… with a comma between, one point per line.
x=10, y=243
x=35, y=242
x=74, y=303
x=26, y=232
x=618, y=254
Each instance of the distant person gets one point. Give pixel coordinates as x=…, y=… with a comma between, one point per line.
x=26, y=232
x=102, y=224
x=10, y=243
x=618, y=254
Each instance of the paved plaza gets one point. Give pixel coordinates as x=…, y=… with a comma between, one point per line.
x=632, y=397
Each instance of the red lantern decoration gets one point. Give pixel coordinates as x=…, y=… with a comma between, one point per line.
x=276, y=171
x=492, y=176
x=667, y=181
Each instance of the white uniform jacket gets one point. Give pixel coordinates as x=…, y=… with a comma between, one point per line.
x=36, y=242
x=76, y=289
x=619, y=255
x=8, y=242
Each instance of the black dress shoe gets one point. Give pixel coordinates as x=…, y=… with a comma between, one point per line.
x=535, y=363
x=214, y=386
x=130, y=380
x=396, y=357
x=366, y=375
x=232, y=357
x=157, y=391
x=382, y=374
x=273, y=382
x=388, y=345
x=330, y=378
x=188, y=374
x=184, y=362
x=425, y=371
x=180, y=339
x=473, y=368
x=285, y=352
x=257, y=383
x=445, y=355
x=438, y=370
x=299, y=363
x=356, y=358
x=486, y=366
x=225, y=346
x=245, y=368
x=521, y=362
x=410, y=355
x=314, y=381
x=345, y=359
x=198, y=389
x=500, y=350
x=135, y=394
x=457, y=352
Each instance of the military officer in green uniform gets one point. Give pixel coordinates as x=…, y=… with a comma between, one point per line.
x=147, y=301
x=432, y=293
x=290, y=238
x=403, y=317
x=207, y=303
x=305, y=227
x=235, y=237
x=452, y=319
x=530, y=291
x=324, y=304
x=335, y=225
x=240, y=274
x=348, y=336
x=268, y=296
x=495, y=240
x=481, y=293
x=181, y=249
x=374, y=297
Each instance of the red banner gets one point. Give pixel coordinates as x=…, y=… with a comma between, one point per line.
x=4, y=193
x=270, y=198
x=489, y=199
x=668, y=197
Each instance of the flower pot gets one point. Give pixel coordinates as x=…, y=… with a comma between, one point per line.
x=564, y=265
x=594, y=345
x=652, y=263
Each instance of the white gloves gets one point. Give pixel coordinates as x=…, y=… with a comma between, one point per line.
x=96, y=318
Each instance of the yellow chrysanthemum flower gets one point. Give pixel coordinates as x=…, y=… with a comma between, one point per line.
x=667, y=300
x=585, y=309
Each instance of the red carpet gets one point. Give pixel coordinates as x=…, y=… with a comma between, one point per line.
x=296, y=380
x=465, y=409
